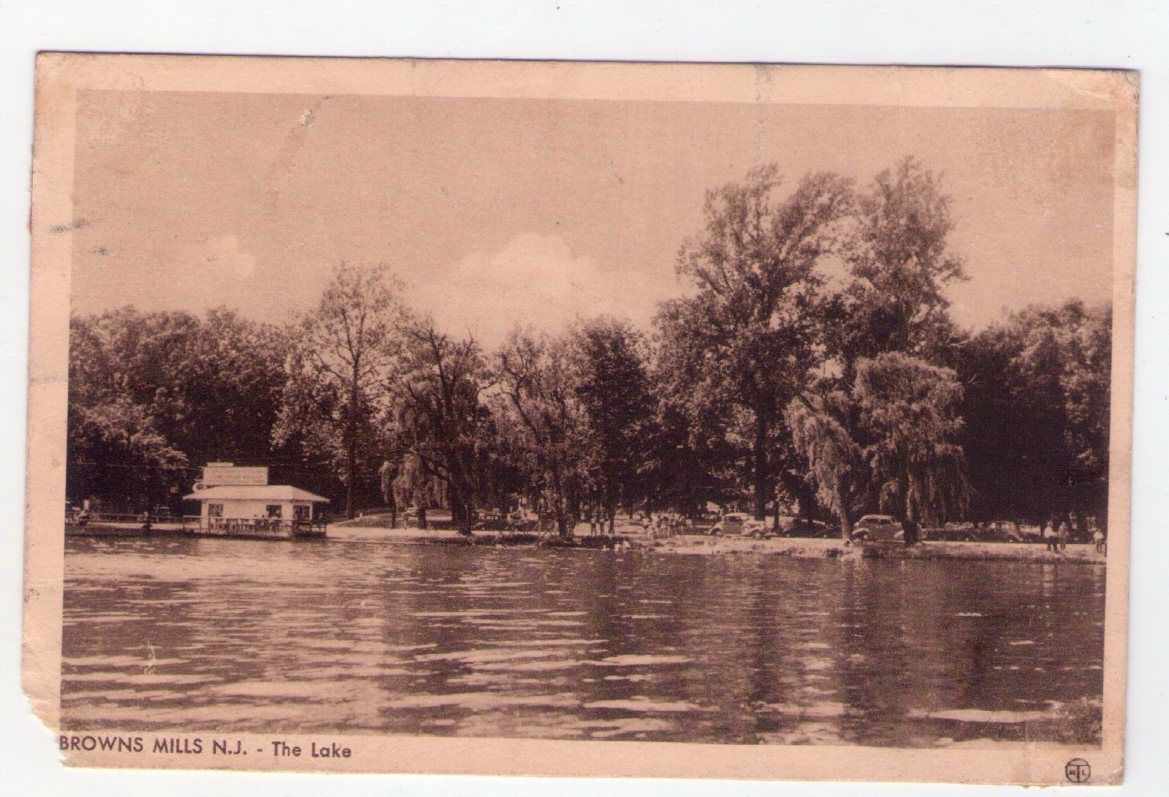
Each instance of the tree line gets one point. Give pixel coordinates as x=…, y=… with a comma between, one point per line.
x=811, y=361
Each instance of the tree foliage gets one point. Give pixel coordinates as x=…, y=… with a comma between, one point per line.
x=879, y=426
x=611, y=381
x=898, y=263
x=544, y=421
x=1037, y=411
x=823, y=434
x=811, y=358
x=154, y=395
x=437, y=412
x=749, y=331
x=908, y=414
x=343, y=355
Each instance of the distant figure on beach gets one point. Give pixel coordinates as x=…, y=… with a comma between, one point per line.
x=1064, y=532
x=1051, y=538
x=1098, y=540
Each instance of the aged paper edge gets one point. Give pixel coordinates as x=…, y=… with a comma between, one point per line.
x=61, y=75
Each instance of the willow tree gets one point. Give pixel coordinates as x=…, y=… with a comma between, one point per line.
x=865, y=432
x=909, y=413
x=438, y=412
x=751, y=324
x=823, y=432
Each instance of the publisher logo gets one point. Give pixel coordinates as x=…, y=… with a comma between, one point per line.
x=1077, y=770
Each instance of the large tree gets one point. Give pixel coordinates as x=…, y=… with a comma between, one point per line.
x=898, y=263
x=890, y=319
x=438, y=411
x=909, y=415
x=824, y=432
x=540, y=413
x=1037, y=411
x=202, y=389
x=337, y=372
x=611, y=381
x=116, y=453
x=750, y=326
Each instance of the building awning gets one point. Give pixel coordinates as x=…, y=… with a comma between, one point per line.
x=259, y=492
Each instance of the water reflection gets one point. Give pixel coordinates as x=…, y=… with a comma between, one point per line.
x=263, y=636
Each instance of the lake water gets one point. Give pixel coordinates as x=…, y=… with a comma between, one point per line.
x=233, y=635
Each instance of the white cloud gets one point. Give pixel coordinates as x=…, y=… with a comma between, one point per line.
x=533, y=281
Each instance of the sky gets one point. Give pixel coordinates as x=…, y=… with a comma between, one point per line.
x=495, y=212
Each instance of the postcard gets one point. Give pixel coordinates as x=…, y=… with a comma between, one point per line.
x=581, y=419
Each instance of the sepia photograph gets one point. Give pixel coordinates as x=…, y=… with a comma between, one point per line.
x=520, y=418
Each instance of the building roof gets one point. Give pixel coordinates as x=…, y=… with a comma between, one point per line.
x=259, y=492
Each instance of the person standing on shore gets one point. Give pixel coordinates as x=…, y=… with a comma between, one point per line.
x=1051, y=538
x=1098, y=540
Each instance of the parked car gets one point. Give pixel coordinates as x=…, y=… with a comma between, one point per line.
x=739, y=523
x=877, y=528
x=798, y=527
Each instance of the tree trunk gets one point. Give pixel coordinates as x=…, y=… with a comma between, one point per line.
x=902, y=511
x=561, y=504
x=351, y=452
x=807, y=501
x=456, y=510
x=844, y=513
x=1082, y=533
x=759, y=455
x=909, y=524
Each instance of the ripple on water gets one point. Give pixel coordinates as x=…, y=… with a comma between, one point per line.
x=551, y=644
x=607, y=729
x=640, y=660
x=823, y=709
x=479, y=655
x=647, y=705
x=974, y=715
x=482, y=701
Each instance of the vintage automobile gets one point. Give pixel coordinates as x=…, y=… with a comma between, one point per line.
x=739, y=523
x=800, y=527
x=877, y=528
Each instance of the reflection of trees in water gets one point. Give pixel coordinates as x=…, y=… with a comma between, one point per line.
x=738, y=648
x=925, y=637
x=872, y=654
x=687, y=615
x=768, y=653
x=271, y=636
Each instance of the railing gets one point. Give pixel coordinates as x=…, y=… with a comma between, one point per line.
x=275, y=527
x=81, y=518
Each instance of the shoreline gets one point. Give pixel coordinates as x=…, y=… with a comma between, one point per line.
x=682, y=544
x=700, y=545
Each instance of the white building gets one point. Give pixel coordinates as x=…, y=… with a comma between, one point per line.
x=240, y=502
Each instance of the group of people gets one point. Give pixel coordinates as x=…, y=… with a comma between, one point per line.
x=1055, y=538
x=663, y=524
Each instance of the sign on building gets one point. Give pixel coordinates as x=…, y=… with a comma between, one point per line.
x=216, y=474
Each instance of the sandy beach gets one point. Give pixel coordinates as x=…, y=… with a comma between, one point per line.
x=701, y=545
